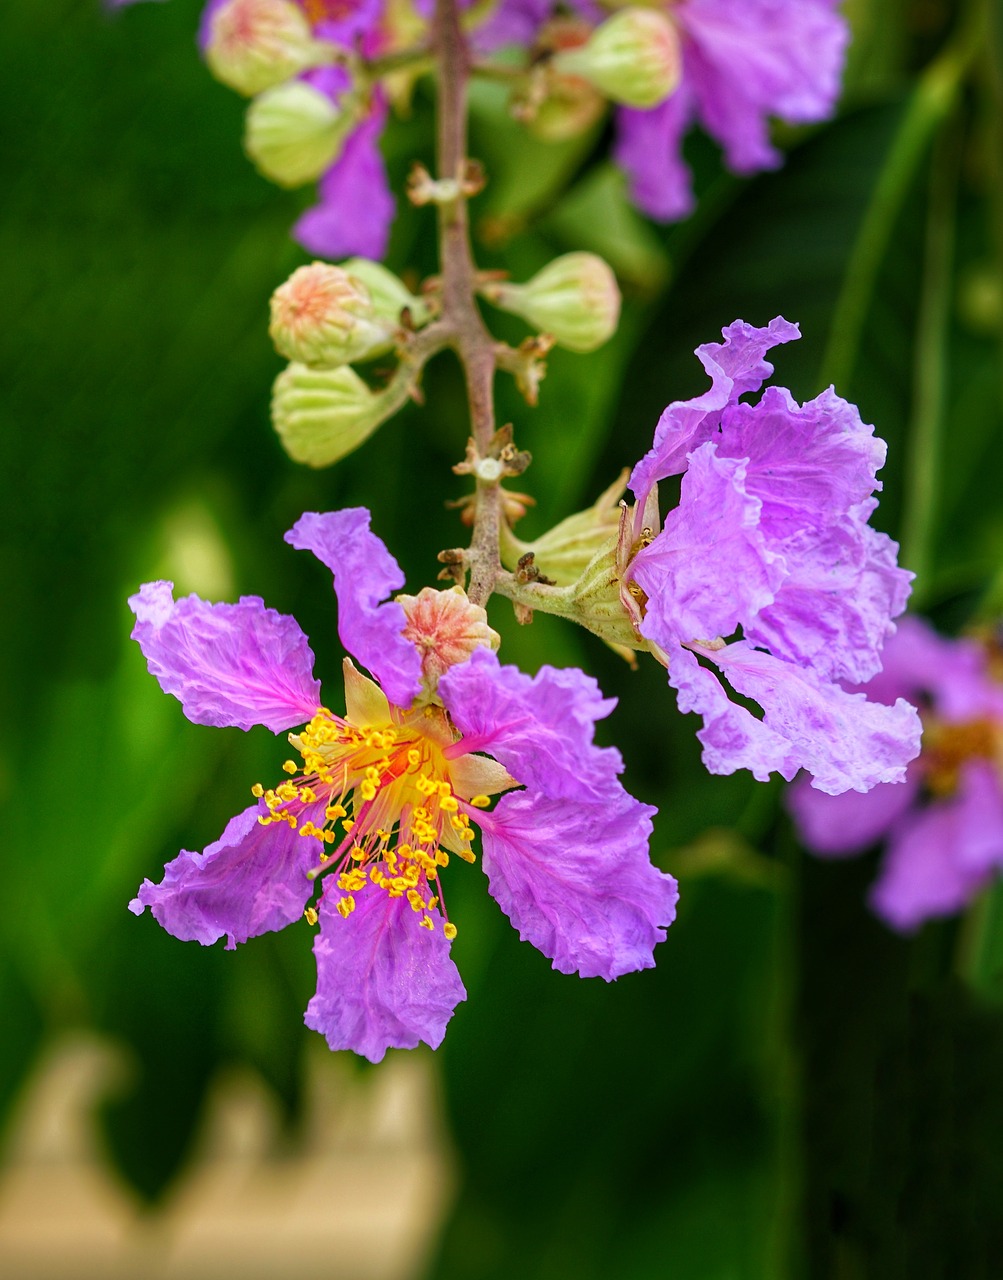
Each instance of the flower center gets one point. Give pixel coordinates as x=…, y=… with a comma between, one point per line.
x=382, y=796
x=946, y=747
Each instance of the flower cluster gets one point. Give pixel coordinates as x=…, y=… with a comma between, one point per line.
x=943, y=829
x=767, y=573
x=382, y=797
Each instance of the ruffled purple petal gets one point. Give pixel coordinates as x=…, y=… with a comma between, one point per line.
x=844, y=825
x=709, y=569
x=541, y=728
x=747, y=60
x=356, y=207
x=359, y=19
x=227, y=664
x=736, y=367
x=511, y=22
x=649, y=149
x=365, y=573
x=943, y=855
x=252, y=880
x=383, y=982
x=842, y=739
x=575, y=880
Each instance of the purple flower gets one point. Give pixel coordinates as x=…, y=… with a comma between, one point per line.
x=382, y=796
x=943, y=830
x=743, y=61
x=767, y=573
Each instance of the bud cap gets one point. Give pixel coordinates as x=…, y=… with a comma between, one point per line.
x=254, y=45
x=634, y=58
x=323, y=316
x=294, y=132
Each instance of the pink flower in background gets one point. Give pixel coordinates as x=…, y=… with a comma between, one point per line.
x=943, y=829
x=743, y=62
x=383, y=795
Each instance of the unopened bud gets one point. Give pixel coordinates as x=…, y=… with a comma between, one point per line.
x=634, y=58
x=322, y=415
x=445, y=627
x=256, y=44
x=569, y=107
x=389, y=293
x=564, y=552
x=575, y=298
x=323, y=316
x=294, y=132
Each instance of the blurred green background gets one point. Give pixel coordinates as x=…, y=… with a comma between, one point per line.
x=793, y=1091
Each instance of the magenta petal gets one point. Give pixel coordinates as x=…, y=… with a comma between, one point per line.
x=649, y=151
x=736, y=367
x=356, y=208
x=843, y=825
x=365, y=573
x=227, y=664
x=541, y=728
x=709, y=569
x=940, y=858
x=841, y=738
x=252, y=880
x=383, y=982
x=576, y=881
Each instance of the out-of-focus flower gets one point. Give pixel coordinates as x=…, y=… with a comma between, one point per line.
x=383, y=795
x=743, y=61
x=767, y=573
x=943, y=829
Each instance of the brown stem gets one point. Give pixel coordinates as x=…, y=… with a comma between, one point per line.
x=471, y=340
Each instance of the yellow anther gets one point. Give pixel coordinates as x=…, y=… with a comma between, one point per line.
x=367, y=790
x=467, y=855
x=289, y=766
x=426, y=922
x=257, y=791
x=467, y=833
x=287, y=791
x=324, y=856
x=265, y=819
x=481, y=802
x=376, y=875
x=445, y=789
x=357, y=854
x=311, y=915
x=328, y=837
x=307, y=795
x=414, y=758
x=348, y=824
x=442, y=857
x=372, y=773
x=290, y=818
x=450, y=931
x=449, y=804
x=346, y=906
x=432, y=903
x=335, y=811
x=415, y=899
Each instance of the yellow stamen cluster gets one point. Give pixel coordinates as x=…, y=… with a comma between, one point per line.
x=947, y=747
x=384, y=798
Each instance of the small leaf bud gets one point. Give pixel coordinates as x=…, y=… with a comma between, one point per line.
x=294, y=132
x=323, y=317
x=634, y=58
x=389, y=293
x=322, y=415
x=256, y=44
x=575, y=298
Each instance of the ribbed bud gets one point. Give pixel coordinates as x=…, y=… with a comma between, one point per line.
x=323, y=316
x=445, y=628
x=294, y=132
x=256, y=44
x=322, y=415
x=575, y=299
x=633, y=58
x=390, y=295
x=564, y=552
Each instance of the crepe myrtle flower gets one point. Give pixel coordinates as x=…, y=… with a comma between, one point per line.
x=742, y=61
x=379, y=798
x=766, y=577
x=943, y=830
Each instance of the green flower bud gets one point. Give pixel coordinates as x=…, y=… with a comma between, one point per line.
x=323, y=317
x=564, y=552
x=256, y=44
x=634, y=58
x=389, y=293
x=322, y=415
x=294, y=132
x=575, y=299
